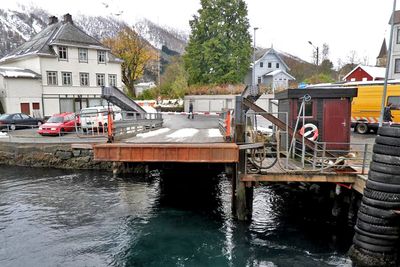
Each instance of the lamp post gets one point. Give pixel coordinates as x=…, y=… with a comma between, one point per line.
x=316, y=49
x=253, y=82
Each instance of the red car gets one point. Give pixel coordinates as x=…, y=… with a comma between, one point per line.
x=59, y=124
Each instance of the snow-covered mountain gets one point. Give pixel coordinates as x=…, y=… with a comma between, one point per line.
x=18, y=26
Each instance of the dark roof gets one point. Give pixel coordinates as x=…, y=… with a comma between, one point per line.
x=62, y=32
x=396, y=17
x=325, y=92
x=383, y=52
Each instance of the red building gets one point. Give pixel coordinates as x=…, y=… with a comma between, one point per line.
x=365, y=73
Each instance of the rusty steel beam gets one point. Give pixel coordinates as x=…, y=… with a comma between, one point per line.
x=163, y=152
x=300, y=177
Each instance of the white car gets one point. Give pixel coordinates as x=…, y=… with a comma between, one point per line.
x=95, y=118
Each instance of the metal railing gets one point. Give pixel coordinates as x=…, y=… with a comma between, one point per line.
x=128, y=124
x=323, y=157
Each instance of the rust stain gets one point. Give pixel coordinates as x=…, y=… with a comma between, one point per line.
x=202, y=153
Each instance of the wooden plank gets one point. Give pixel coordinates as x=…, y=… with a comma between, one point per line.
x=360, y=183
x=299, y=177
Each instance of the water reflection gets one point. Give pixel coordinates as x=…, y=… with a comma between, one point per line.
x=53, y=217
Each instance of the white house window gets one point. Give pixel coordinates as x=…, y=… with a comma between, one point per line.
x=62, y=53
x=83, y=55
x=52, y=77
x=66, y=78
x=101, y=56
x=100, y=79
x=261, y=64
x=269, y=65
x=259, y=80
x=398, y=36
x=277, y=65
x=112, y=79
x=397, y=65
x=84, y=78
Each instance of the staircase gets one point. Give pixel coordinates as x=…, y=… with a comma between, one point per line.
x=120, y=99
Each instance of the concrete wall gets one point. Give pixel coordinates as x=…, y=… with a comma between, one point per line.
x=217, y=103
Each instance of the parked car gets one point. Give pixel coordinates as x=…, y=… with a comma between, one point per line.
x=15, y=121
x=59, y=124
x=95, y=118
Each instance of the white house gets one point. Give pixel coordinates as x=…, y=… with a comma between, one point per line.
x=394, y=70
x=14, y=97
x=270, y=70
x=72, y=65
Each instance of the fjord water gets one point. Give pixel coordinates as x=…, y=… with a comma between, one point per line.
x=63, y=218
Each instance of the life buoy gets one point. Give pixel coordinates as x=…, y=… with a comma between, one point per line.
x=310, y=131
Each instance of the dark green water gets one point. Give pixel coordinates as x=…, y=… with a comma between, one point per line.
x=59, y=218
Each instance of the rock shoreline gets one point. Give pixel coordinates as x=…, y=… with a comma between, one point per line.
x=60, y=156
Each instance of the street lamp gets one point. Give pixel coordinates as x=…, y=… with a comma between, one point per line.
x=317, y=50
x=253, y=83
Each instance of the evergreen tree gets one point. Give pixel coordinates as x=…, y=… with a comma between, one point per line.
x=219, y=49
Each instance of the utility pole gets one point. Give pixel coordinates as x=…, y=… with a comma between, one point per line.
x=253, y=78
x=317, y=51
x=387, y=65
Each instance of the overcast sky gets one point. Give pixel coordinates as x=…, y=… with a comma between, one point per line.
x=288, y=25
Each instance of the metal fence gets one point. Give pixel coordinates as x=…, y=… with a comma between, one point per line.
x=128, y=124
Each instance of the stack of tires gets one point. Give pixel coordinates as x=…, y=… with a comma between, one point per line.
x=377, y=231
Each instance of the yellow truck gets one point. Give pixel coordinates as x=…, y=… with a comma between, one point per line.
x=366, y=107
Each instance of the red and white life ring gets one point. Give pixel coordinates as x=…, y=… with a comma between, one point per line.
x=310, y=131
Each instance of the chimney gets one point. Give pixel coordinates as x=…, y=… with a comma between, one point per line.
x=68, y=18
x=53, y=20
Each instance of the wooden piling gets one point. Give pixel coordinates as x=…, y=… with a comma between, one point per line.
x=242, y=196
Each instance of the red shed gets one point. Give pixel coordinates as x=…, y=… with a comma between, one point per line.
x=329, y=109
x=365, y=73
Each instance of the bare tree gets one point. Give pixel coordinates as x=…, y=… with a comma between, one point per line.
x=325, y=51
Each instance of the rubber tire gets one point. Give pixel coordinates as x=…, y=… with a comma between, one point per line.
x=384, y=187
x=39, y=123
x=377, y=236
x=12, y=127
x=384, y=178
x=381, y=204
x=379, y=195
x=376, y=220
x=375, y=241
x=361, y=128
x=385, y=168
x=62, y=131
x=387, y=159
x=386, y=150
x=374, y=248
x=378, y=229
x=377, y=212
x=389, y=131
x=386, y=140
